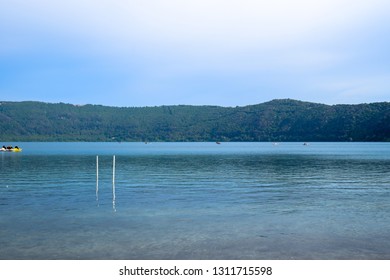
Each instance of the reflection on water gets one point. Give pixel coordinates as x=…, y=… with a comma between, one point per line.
x=196, y=201
x=113, y=183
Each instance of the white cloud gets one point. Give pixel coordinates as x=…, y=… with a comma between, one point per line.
x=205, y=24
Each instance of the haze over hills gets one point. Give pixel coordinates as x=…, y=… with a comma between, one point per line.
x=276, y=120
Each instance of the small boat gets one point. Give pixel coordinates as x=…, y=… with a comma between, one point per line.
x=218, y=143
x=10, y=149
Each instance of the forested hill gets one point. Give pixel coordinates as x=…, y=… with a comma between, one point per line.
x=277, y=120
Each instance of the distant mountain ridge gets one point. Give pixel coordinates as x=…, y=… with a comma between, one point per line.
x=276, y=120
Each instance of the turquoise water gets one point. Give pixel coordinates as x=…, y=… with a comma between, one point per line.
x=196, y=201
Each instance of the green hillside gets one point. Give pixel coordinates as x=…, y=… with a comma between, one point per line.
x=277, y=120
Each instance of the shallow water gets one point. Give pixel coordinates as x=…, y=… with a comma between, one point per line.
x=196, y=201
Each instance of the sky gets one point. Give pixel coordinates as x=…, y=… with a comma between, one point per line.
x=194, y=52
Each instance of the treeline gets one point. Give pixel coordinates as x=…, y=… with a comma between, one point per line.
x=277, y=120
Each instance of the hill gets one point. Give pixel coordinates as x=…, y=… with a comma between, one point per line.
x=277, y=120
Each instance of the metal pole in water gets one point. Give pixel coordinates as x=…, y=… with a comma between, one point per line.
x=113, y=183
x=97, y=178
x=113, y=170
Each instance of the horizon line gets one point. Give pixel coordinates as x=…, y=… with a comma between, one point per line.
x=205, y=105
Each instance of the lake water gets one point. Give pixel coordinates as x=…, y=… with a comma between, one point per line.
x=196, y=201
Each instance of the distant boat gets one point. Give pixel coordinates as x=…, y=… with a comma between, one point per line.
x=305, y=144
x=10, y=149
x=218, y=143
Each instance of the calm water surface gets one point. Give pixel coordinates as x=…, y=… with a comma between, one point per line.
x=196, y=201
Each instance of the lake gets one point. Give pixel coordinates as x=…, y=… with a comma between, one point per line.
x=195, y=201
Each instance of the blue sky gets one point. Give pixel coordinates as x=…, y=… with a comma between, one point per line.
x=198, y=52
